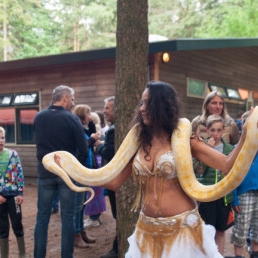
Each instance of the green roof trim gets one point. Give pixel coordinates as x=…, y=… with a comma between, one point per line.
x=107, y=53
x=201, y=44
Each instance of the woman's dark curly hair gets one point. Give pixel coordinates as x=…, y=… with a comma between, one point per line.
x=162, y=112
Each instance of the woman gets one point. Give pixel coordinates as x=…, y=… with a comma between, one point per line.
x=166, y=209
x=81, y=238
x=103, y=124
x=97, y=205
x=169, y=224
x=214, y=104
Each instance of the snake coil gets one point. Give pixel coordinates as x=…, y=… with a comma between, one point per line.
x=180, y=142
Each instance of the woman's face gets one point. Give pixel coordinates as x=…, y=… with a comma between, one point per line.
x=143, y=107
x=87, y=118
x=215, y=106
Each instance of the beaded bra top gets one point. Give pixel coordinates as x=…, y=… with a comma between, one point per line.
x=164, y=169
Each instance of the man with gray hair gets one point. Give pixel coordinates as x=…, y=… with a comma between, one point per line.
x=56, y=128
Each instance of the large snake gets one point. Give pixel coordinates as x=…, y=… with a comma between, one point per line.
x=180, y=142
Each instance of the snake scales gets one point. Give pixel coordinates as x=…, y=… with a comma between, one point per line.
x=180, y=142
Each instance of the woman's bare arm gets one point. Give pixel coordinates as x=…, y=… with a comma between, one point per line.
x=213, y=158
x=118, y=181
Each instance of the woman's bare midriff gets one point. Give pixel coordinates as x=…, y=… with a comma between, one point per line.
x=173, y=200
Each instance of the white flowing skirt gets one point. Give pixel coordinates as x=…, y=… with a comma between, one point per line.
x=181, y=236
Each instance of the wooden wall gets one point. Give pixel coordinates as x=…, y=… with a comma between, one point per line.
x=92, y=81
x=235, y=68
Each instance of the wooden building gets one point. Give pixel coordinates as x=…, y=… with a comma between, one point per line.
x=193, y=66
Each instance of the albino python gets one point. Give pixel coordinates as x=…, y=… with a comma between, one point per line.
x=180, y=142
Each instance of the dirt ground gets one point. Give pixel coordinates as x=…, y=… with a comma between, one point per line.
x=104, y=233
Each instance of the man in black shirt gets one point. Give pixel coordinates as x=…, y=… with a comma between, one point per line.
x=56, y=128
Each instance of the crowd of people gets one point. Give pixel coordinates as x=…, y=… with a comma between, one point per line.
x=84, y=130
x=170, y=223
x=239, y=208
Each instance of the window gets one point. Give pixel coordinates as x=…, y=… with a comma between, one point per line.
x=5, y=100
x=7, y=118
x=226, y=92
x=199, y=89
x=17, y=113
x=25, y=99
x=221, y=90
x=196, y=88
x=25, y=119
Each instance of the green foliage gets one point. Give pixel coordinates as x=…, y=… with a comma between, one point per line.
x=231, y=19
x=203, y=18
x=45, y=27
x=29, y=30
x=85, y=24
x=102, y=24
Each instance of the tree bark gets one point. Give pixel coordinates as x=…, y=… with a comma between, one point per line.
x=131, y=78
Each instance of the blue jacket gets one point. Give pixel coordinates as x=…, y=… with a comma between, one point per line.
x=250, y=182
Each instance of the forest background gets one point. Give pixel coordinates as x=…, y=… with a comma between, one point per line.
x=34, y=28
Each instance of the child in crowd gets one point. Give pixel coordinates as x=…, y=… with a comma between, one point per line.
x=11, y=198
x=217, y=213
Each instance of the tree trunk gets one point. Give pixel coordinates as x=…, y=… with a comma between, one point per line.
x=131, y=78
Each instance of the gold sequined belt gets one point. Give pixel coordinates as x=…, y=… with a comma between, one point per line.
x=186, y=219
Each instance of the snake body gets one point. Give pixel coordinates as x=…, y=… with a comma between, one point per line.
x=180, y=142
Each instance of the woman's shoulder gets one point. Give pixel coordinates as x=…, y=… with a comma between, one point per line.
x=229, y=120
x=196, y=119
x=231, y=134
x=195, y=122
